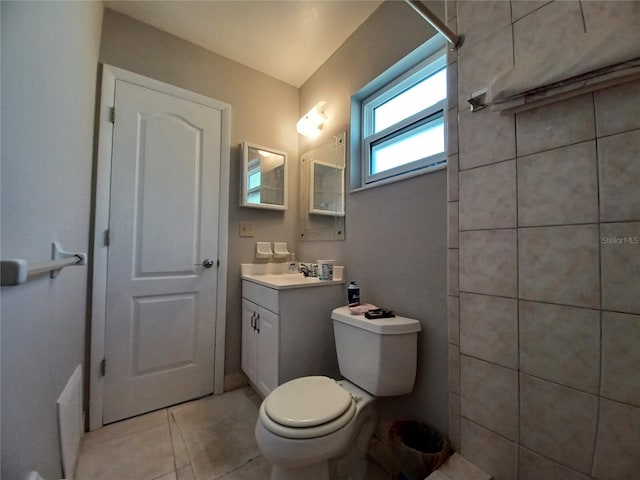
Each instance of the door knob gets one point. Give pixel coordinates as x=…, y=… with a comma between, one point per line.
x=208, y=263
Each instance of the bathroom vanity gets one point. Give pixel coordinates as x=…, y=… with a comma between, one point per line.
x=287, y=330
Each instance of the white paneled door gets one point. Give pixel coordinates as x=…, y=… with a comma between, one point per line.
x=163, y=252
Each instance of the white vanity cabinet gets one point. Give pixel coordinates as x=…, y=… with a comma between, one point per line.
x=288, y=332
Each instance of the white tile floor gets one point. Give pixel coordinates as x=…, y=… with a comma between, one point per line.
x=152, y=446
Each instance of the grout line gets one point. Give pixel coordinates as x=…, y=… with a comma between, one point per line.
x=526, y=227
x=597, y=429
x=173, y=448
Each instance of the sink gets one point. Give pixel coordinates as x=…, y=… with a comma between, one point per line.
x=275, y=275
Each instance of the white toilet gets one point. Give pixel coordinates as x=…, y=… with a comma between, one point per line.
x=317, y=428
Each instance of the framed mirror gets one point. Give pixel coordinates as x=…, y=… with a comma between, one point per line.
x=322, y=191
x=326, y=183
x=264, y=177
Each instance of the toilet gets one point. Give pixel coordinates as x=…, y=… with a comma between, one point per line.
x=318, y=428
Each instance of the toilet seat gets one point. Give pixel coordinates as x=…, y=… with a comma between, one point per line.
x=307, y=407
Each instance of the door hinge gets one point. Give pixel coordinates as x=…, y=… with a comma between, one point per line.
x=112, y=114
x=107, y=237
x=103, y=367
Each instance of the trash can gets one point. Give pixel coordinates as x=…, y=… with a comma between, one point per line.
x=418, y=449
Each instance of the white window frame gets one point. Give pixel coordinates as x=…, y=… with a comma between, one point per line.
x=417, y=74
x=420, y=71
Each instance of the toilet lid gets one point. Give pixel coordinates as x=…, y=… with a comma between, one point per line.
x=307, y=402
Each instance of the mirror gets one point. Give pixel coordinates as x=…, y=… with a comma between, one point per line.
x=322, y=185
x=264, y=177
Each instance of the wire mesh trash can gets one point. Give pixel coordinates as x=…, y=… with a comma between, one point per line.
x=418, y=449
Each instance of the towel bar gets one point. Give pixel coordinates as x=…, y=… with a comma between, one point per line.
x=18, y=270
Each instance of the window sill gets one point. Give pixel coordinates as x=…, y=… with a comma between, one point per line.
x=399, y=178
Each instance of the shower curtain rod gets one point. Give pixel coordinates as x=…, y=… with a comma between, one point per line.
x=419, y=6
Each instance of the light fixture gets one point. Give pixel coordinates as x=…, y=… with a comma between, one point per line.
x=311, y=123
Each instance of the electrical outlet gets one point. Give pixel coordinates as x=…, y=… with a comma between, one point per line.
x=247, y=229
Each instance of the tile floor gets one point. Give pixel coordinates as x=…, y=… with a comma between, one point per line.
x=186, y=442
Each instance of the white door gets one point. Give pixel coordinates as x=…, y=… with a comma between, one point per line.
x=163, y=224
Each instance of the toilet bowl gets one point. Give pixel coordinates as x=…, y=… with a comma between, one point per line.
x=311, y=426
x=317, y=428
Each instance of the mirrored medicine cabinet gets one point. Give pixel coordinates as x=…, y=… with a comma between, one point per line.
x=322, y=191
x=264, y=177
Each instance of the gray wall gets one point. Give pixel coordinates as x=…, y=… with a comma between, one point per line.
x=545, y=225
x=263, y=111
x=395, y=243
x=49, y=70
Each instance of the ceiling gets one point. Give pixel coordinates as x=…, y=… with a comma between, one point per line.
x=286, y=39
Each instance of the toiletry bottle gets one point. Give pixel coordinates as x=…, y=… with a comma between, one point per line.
x=293, y=266
x=353, y=294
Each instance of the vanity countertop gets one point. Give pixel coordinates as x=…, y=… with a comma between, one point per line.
x=281, y=280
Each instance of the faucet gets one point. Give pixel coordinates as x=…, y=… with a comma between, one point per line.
x=308, y=270
x=304, y=269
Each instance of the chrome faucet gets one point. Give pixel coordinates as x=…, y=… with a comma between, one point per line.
x=308, y=270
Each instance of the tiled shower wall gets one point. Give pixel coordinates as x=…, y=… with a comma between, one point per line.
x=544, y=258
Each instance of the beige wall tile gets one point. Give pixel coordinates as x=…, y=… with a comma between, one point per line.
x=561, y=344
x=559, y=186
x=559, y=265
x=452, y=178
x=488, y=262
x=616, y=455
x=452, y=271
x=619, y=167
x=521, y=8
x=599, y=15
x=617, y=109
x=479, y=62
x=558, y=422
x=485, y=137
x=489, y=328
x=534, y=467
x=450, y=9
x=454, y=369
x=452, y=86
x=621, y=357
x=452, y=131
x=489, y=396
x=621, y=266
x=489, y=451
x=452, y=229
x=555, y=125
x=453, y=310
x=488, y=197
x=479, y=19
x=543, y=31
x=454, y=421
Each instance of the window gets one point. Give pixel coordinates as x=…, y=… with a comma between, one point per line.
x=402, y=124
x=253, y=181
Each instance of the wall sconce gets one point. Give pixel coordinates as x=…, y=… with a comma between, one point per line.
x=311, y=123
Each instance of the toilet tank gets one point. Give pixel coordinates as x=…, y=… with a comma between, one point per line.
x=377, y=355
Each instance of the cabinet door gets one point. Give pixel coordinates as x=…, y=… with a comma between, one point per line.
x=249, y=340
x=268, y=348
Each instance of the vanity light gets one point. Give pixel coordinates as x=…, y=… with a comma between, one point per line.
x=311, y=123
